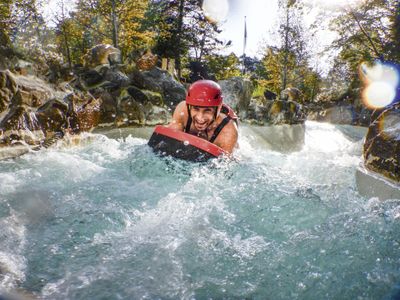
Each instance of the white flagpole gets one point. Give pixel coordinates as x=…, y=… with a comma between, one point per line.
x=244, y=46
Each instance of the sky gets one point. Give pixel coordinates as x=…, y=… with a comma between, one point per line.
x=261, y=18
x=262, y=22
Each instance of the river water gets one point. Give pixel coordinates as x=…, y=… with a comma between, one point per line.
x=110, y=220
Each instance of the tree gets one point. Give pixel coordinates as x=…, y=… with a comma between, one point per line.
x=14, y=16
x=183, y=30
x=114, y=22
x=223, y=66
x=5, y=25
x=367, y=34
x=292, y=38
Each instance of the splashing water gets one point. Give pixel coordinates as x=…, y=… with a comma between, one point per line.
x=111, y=220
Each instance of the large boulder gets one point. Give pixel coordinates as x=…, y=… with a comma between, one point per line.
x=160, y=81
x=382, y=144
x=20, y=125
x=102, y=77
x=108, y=110
x=275, y=112
x=156, y=115
x=291, y=94
x=237, y=93
x=8, y=88
x=84, y=112
x=22, y=90
x=285, y=112
x=337, y=115
x=147, y=61
x=103, y=54
x=52, y=116
x=32, y=91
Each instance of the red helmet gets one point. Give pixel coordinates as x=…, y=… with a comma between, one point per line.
x=204, y=93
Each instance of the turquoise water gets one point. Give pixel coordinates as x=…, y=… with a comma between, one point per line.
x=110, y=220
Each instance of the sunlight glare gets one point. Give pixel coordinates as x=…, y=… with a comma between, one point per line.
x=380, y=81
x=216, y=10
x=379, y=94
x=379, y=72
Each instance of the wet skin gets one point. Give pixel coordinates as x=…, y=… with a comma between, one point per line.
x=204, y=124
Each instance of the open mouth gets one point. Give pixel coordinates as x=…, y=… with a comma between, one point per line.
x=201, y=126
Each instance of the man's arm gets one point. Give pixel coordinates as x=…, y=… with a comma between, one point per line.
x=178, y=118
x=228, y=137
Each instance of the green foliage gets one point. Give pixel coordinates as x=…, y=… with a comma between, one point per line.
x=223, y=66
x=5, y=14
x=366, y=34
x=258, y=91
x=287, y=65
x=107, y=21
x=299, y=74
x=183, y=30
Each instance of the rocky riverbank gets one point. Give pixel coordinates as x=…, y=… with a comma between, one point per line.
x=38, y=109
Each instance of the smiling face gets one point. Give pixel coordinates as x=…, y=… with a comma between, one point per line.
x=202, y=117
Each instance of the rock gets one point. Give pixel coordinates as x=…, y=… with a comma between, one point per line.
x=291, y=94
x=33, y=91
x=257, y=111
x=147, y=61
x=154, y=97
x=102, y=54
x=237, y=93
x=52, y=116
x=137, y=94
x=116, y=78
x=8, y=88
x=382, y=144
x=102, y=77
x=58, y=72
x=338, y=115
x=108, y=110
x=23, y=67
x=160, y=81
x=282, y=138
x=130, y=112
x=370, y=184
x=285, y=112
x=156, y=115
x=364, y=117
x=26, y=98
x=84, y=112
x=20, y=125
x=269, y=95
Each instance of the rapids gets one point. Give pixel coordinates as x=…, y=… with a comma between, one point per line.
x=110, y=220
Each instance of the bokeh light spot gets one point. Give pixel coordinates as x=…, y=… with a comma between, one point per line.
x=379, y=94
x=216, y=10
x=380, y=72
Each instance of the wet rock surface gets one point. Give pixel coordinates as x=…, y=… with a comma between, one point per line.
x=237, y=93
x=160, y=81
x=37, y=111
x=382, y=144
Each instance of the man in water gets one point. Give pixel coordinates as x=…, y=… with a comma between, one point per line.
x=203, y=114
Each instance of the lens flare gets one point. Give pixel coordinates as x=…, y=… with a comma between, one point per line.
x=379, y=94
x=216, y=10
x=379, y=72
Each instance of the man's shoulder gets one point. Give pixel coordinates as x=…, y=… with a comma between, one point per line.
x=230, y=127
